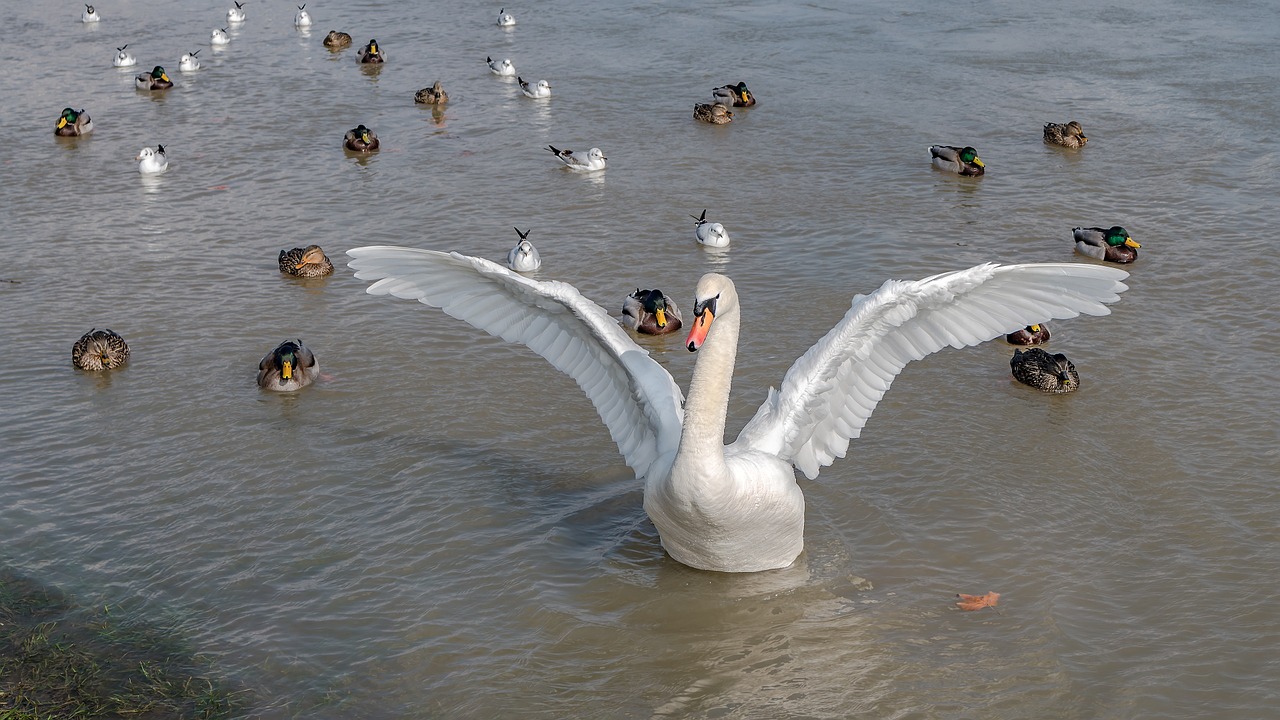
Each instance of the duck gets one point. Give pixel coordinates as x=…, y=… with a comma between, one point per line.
x=1042, y=371
x=151, y=161
x=361, y=139
x=954, y=159
x=73, y=123
x=189, y=62
x=1034, y=334
x=434, y=95
x=505, y=19
x=711, y=234
x=737, y=507
x=733, y=96
x=219, y=36
x=651, y=313
x=291, y=366
x=371, y=53
x=524, y=256
x=157, y=79
x=303, y=18
x=541, y=90
x=336, y=40
x=591, y=160
x=1070, y=135
x=307, y=262
x=504, y=68
x=99, y=350
x=124, y=58
x=236, y=14
x=713, y=113
x=1112, y=244
x=90, y=15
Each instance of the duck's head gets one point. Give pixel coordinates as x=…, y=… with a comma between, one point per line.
x=1117, y=236
x=373, y=47
x=158, y=73
x=286, y=359
x=714, y=295
x=365, y=134
x=655, y=303
x=743, y=93
x=1074, y=128
x=69, y=117
x=969, y=156
x=1061, y=368
x=312, y=255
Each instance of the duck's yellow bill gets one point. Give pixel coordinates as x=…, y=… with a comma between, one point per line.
x=1132, y=243
x=62, y=122
x=662, y=317
x=286, y=372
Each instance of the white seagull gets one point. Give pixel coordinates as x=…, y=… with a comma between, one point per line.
x=189, y=62
x=303, y=18
x=737, y=507
x=505, y=19
x=90, y=15
x=219, y=37
x=541, y=90
x=123, y=58
x=524, y=256
x=504, y=68
x=151, y=161
x=236, y=14
x=709, y=233
x=592, y=159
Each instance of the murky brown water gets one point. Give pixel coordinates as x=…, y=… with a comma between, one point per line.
x=441, y=527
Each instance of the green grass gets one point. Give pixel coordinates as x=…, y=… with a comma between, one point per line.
x=59, y=659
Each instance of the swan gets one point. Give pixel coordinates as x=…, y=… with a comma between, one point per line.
x=736, y=508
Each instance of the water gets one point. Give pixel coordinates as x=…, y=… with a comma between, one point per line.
x=441, y=527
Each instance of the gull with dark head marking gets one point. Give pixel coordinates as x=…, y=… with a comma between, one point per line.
x=592, y=159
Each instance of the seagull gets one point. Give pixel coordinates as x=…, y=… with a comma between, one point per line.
x=152, y=161
x=592, y=159
x=90, y=15
x=504, y=68
x=709, y=233
x=303, y=18
x=541, y=90
x=219, y=37
x=188, y=62
x=236, y=14
x=524, y=256
x=505, y=19
x=124, y=59
x=737, y=507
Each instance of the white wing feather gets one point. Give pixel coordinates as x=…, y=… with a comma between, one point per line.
x=829, y=392
x=636, y=397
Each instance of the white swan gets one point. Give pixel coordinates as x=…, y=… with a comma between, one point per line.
x=737, y=508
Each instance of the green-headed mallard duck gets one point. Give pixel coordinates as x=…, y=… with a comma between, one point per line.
x=307, y=262
x=157, y=79
x=1112, y=244
x=1042, y=371
x=1029, y=335
x=371, y=53
x=650, y=312
x=291, y=366
x=337, y=40
x=99, y=350
x=733, y=96
x=713, y=113
x=1070, y=135
x=361, y=139
x=73, y=123
x=954, y=159
x=434, y=95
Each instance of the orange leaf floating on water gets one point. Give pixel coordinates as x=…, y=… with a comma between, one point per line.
x=977, y=602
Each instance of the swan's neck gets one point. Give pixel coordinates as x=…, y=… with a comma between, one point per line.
x=702, y=440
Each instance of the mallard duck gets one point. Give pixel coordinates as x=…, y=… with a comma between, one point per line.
x=219, y=36
x=236, y=14
x=650, y=312
x=1112, y=244
x=1042, y=371
x=99, y=350
x=157, y=79
x=592, y=159
x=371, y=53
x=1030, y=335
x=713, y=113
x=90, y=15
x=733, y=96
x=434, y=95
x=709, y=233
x=151, y=161
x=291, y=366
x=361, y=139
x=188, y=62
x=541, y=90
x=73, y=123
x=337, y=40
x=1070, y=135
x=505, y=19
x=504, y=68
x=957, y=160
x=123, y=58
x=524, y=256
x=303, y=18
x=307, y=262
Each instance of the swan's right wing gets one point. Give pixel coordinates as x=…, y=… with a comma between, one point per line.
x=635, y=396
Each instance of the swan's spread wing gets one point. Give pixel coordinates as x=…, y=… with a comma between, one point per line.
x=635, y=396
x=830, y=391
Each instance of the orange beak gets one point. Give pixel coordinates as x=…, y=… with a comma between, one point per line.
x=698, y=334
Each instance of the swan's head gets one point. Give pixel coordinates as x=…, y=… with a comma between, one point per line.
x=714, y=295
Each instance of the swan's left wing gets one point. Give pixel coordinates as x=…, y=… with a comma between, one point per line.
x=635, y=396
x=830, y=391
